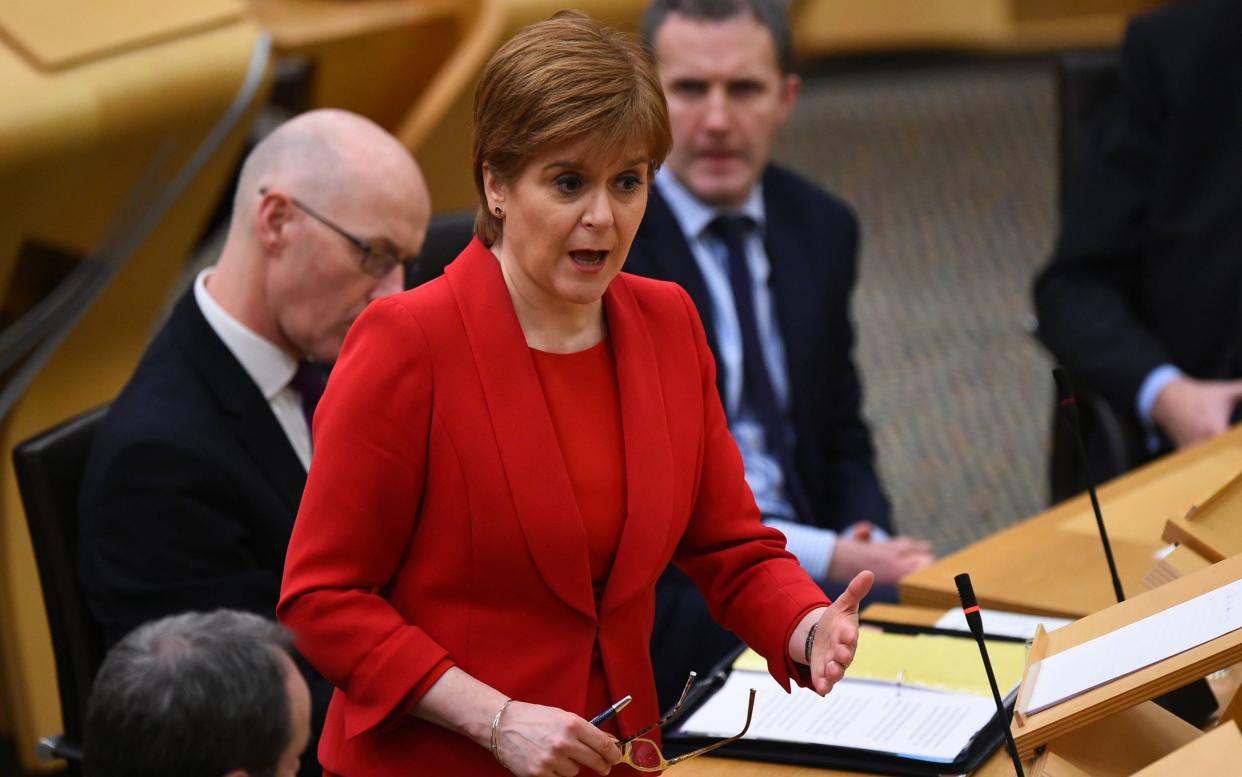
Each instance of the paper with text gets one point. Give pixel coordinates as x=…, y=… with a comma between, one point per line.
x=911, y=722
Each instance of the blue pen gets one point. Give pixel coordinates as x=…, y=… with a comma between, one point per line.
x=611, y=711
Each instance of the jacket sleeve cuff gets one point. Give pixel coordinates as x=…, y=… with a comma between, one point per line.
x=396, y=674
x=784, y=669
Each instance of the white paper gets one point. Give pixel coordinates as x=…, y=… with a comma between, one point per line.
x=1137, y=645
x=997, y=623
x=912, y=722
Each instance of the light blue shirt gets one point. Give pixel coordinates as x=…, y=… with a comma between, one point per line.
x=812, y=545
x=1152, y=385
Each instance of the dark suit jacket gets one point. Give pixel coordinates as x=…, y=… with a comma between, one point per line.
x=1148, y=266
x=812, y=242
x=439, y=525
x=190, y=490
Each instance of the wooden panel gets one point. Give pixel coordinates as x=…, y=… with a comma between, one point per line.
x=1052, y=564
x=80, y=30
x=1212, y=529
x=1217, y=752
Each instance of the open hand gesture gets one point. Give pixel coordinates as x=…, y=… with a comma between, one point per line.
x=836, y=635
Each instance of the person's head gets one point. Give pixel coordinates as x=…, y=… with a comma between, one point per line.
x=287, y=271
x=570, y=124
x=727, y=70
x=198, y=695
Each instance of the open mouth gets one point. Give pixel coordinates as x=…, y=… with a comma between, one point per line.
x=588, y=258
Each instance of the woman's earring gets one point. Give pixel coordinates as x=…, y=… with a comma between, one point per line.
x=500, y=212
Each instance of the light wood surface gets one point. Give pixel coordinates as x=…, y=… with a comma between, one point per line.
x=1213, y=530
x=300, y=24
x=1147, y=683
x=1217, y=752
x=1053, y=563
x=82, y=30
x=1118, y=745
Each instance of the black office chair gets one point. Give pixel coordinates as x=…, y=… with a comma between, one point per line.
x=1088, y=84
x=447, y=236
x=49, y=475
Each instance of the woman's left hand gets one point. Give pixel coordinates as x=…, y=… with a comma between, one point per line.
x=836, y=635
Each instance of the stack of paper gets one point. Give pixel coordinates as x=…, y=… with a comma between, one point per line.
x=918, y=696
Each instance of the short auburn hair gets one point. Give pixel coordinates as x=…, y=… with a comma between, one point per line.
x=559, y=82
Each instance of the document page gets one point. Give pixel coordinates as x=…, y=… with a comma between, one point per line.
x=997, y=623
x=1137, y=645
x=911, y=722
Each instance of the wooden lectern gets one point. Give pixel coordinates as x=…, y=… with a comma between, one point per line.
x=1036, y=730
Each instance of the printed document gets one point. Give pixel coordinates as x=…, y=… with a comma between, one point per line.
x=912, y=722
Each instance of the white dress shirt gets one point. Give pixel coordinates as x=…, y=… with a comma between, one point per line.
x=268, y=366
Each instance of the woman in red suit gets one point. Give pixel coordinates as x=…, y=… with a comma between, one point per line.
x=506, y=459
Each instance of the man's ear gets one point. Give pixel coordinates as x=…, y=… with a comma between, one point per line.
x=791, y=86
x=271, y=219
x=494, y=189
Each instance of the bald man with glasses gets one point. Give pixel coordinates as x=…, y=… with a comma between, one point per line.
x=197, y=472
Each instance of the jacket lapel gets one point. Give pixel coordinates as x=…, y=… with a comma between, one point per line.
x=648, y=450
x=542, y=495
x=663, y=252
x=243, y=408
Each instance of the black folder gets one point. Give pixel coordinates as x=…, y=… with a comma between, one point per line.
x=984, y=743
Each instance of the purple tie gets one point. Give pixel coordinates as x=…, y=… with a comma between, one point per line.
x=309, y=381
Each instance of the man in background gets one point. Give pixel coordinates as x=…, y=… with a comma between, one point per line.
x=1141, y=300
x=195, y=477
x=770, y=261
x=198, y=695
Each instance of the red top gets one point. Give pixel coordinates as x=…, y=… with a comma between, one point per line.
x=585, y=405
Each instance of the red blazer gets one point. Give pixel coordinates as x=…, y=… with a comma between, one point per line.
x=439, y=527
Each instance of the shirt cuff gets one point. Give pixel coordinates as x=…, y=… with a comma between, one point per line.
x=1152, y=385
x=812, y=545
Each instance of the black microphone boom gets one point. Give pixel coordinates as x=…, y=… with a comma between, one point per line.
x=970, y=607
x=1068, y=405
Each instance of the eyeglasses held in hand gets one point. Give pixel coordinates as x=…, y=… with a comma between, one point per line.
x=645, y=756
x=379, y=256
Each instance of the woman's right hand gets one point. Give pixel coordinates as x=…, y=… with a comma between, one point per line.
x=538, y=741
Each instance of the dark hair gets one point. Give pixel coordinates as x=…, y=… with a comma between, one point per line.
x=192, y=695
x=561, y=81
x=771, y=14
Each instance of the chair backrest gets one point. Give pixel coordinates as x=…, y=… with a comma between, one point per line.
x=1088, y=85
x=447, y=236
x=49, y=474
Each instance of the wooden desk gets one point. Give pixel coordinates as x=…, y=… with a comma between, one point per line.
x=1053, y=563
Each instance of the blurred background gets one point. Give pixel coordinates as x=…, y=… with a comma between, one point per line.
x=125, y=122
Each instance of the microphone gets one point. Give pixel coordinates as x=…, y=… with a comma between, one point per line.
x=1195, y=702
x=970, y=607
x=1069, y=409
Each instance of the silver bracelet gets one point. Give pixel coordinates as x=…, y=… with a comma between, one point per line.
x=496, y=730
